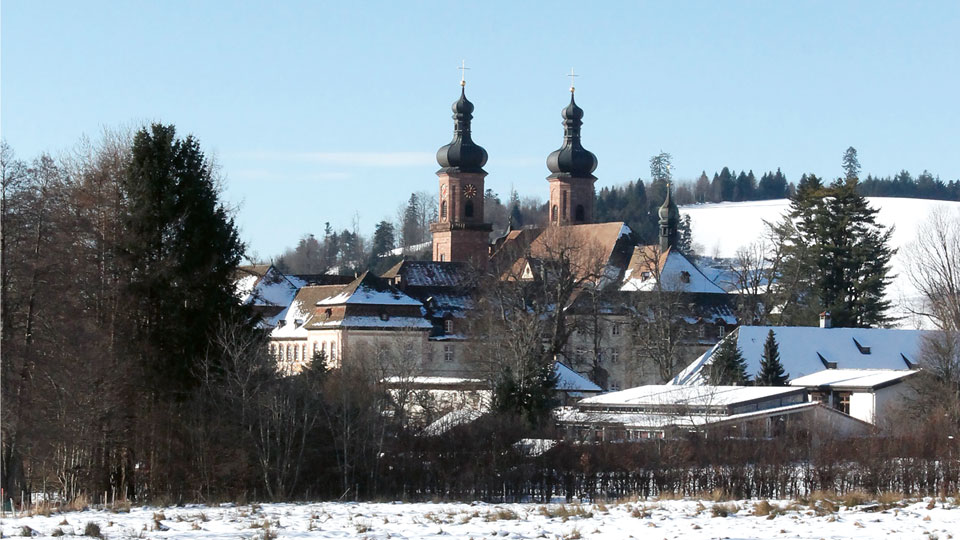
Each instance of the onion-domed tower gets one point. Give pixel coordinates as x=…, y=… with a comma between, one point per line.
x=572, y=166
x=460, y=233
x=669, y=221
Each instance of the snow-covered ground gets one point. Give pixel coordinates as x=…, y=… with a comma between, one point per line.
x=723, y=228
x=684, y=519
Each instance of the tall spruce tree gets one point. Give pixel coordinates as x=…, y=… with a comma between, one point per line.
x=771, y=370
x=837, y=257
x=851, y=165
x=182, y=248
x=728, y=365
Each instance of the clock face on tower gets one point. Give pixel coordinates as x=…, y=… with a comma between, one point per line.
x=470, y=191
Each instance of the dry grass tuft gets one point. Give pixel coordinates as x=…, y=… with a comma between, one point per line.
x=92, y=530
x=724, y=509
x=501, y=514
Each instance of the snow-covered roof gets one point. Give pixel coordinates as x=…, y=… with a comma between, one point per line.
x=263, y=285
x=429, y=274
x=659, y=421
x=369, y=321
x=675, y=271
x=451, y=420
x=434, y=381
x=569, y=380
x=809, y=349
x=663, y=395
x=868, y=379
x=371, y=290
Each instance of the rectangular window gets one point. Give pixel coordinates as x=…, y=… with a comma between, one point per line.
x=845, y=402
x=615, y=330
x=614, y=356
x=448, y=353
x=702, y=331
x=721, y=331
x=448, y=326
x=579, y=354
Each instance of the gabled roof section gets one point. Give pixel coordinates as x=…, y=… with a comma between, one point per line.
x=597, y=249
x=263, y=285
x=674, y=270
x=569, y=380
x=371, y=290
x=808, y=349
x=429, y=274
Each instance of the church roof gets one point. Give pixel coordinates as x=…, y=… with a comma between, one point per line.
x=594, y=249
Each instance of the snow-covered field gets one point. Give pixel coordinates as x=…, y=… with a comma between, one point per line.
x=723, y=228
x=686, y=519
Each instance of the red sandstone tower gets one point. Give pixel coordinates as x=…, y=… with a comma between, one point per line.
x=460, y=233
x=572, y=166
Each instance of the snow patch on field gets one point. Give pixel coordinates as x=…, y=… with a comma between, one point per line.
x=687, y=519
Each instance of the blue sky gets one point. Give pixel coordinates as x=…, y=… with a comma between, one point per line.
x=322, y=111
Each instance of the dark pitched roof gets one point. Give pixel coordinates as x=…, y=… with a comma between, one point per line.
x=429, y=274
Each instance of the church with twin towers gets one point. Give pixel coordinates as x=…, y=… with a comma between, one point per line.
x=461, y=234
x=421, y=309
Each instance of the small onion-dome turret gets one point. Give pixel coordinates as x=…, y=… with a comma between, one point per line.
x=668, y=210
x=462, y=154
x=572, y=159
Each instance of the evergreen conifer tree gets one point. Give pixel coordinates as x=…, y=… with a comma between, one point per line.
x=728, y=365
x=771, y=370
x=183, y=249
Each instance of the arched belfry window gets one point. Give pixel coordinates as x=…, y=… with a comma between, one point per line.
x=579, y=213
x=443, y=211
x=553, y=213
x=468, y=209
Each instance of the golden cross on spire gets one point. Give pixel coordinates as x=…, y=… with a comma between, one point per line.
x=572, y=75
x=463, y=71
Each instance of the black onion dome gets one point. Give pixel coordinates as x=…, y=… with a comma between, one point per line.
x=462, y=154
x=572, y=159
x=668, y=210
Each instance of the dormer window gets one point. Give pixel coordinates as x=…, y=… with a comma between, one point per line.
x=281, y=323
x=384, y=316
x=685, y=276
x=448, y=326
x=645, y=275
x=298, y=322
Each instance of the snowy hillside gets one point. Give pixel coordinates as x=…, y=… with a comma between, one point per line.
x=722, y=228
x=642, y=519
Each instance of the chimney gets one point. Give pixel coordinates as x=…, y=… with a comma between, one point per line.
x=825, y=319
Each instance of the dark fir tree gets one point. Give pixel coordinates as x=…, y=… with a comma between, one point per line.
x=771, y=370
x=660, y=166
x=851, y=165
x=685, y=236
x=837, y=257
x=728, y=366
x=854, y=258
x=183, y=249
